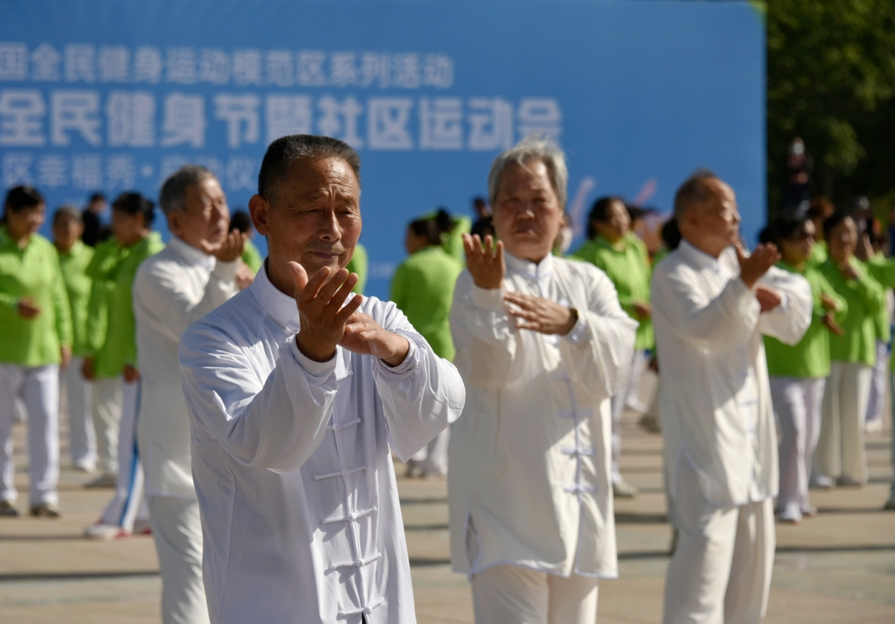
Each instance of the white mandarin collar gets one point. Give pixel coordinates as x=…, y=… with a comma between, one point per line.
x=699, y=257
x=191, y=254
x=280, y=306
x=535, y=271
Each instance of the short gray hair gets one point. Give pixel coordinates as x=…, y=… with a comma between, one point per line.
x=68, y=212
x=693, y=192
x=534, y=147
x=172, y=197
x=286, y=150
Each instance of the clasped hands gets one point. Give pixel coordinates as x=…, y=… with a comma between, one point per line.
x=327, y=321
x=753, y=267
x=487, y=267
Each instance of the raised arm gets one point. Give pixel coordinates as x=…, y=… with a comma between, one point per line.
x=789, y=321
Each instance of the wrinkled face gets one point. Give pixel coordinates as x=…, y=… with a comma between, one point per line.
x=716, y=223
x=796, y=249
x=66, y=232
x=205, y=219
x=312, y=218
x=24, y=223
x=127, y=229
x=843, y=240
x=527, y=212
x=617, y=223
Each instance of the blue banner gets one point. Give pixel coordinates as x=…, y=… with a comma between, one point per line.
x=112, y=95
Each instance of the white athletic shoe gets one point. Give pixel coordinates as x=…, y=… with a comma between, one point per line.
x=100, y=531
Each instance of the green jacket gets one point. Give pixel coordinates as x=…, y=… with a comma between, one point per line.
x=120, y=345
x=452, y=242
x=864, y=298
x=358, y=264
x=818, y=253
x=252, y=257
x=423, y=288
x=77, y=285
x=101, y=271
x=627, y=265
x=33, y=273
x=883, y=270
x=810, y=358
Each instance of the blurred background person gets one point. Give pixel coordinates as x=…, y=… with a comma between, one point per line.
x=94, y=230
x=799, y=372
x=484, y=223
x=798, y=175
x=132, y=216
x=359, y=264
x=35, y=341
x=840, y=457
x=819, y=211
x=617, y=251
x=74, y=257
x=251, y=257
x=423, y=288
x=452, y=228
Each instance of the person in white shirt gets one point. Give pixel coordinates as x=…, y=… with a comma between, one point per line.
x=542, y=344
x=297, y=390
x=197, y=271
x=711, y=303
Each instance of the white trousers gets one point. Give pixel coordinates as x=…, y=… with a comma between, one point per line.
x=721, y=569
x=107, y=406
x=177, y=532
x=840, y=449
x=509, y=594
x=617, y=405
x=128, y=503
x=38, y=389
x=877, y=396
x=81, y=436
x=432, y=458
x=797, y=403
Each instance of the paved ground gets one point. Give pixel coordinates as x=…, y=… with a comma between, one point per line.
x=838, y=567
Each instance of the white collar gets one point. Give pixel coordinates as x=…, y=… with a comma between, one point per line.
x=191, y=254
x=699, y=257
x=280, y=306
x=535, y=271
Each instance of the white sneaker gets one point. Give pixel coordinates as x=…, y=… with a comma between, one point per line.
x=105, y=480
x=872, y=426
x=142, y=527
x=100, y=531
x=848, y=481
x=822, y=482
x=623, y=489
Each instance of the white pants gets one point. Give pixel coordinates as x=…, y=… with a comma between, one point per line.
x=81, y=436
x=177, y=532
x=877, y=396
x=432, y=458
x=892, y=436
x=840, y=450
x=617, y=406
x=721, y=569
x=509, y=594
x=797, y=403
x=38, y=388
x=107, y=406
x=128, y=504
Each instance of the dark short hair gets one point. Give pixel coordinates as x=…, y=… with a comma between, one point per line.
x=693, y=191
x=600, y=212
x=427, y=228
x=22, y=198
x=835, y=220
x=818, y=207
x=286, y=150
x=68, y=212
x=241, y=221
x=172, y=197
x=97, y=197
x=133, y=204
x=671, y=234
x=782, y=229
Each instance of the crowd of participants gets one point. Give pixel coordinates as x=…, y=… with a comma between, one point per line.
x=551, y=352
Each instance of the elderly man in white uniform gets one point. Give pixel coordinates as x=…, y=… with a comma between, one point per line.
x=542, y=343
x=198, y=271
x=711, y=305
x=297, y=389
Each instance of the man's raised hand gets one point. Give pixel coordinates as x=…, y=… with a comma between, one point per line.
x=230, y=249
x=753, y=267
x=484, y=261
x=364, y=335
x=322, y=309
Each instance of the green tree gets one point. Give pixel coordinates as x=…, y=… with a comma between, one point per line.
x=831, y=81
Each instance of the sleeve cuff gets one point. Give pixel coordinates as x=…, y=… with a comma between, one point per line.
x=226, y=270
x=487, y=299
x=318, y=370
x=410, y=361
x=578, y=333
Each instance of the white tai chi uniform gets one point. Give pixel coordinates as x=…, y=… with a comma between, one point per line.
x=291, y=458
x=172, y=289
x=529, y=488
x=81, y=435
x=718, y=424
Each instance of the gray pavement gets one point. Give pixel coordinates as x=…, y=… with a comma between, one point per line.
x=838, y=567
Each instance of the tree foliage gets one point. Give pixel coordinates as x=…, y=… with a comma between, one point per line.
x=831, y=81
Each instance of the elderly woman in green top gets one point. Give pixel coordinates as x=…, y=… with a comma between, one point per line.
x=74, y=257
x=35, y=340
x=423, y=288
x=798, y=373
x=840, y=453
x=612, y=247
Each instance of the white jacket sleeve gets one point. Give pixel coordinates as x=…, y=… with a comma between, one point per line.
x=484, y=334
x=787, y=322
x=275, y=423
x=599, y=349
x=169, y=305
x=421, y=396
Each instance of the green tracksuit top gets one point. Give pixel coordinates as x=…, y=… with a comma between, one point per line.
x=810, y=358
x=358, y=264
x=864, y=297
x=120, y=345
x=251, y=256
x=818, y=253
x=627, y=265
x=101, y=271
x=452, y=242
x=32, y=273
x=77, y=286
x=881, y=318
x=883, y=270
x=423, y=288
